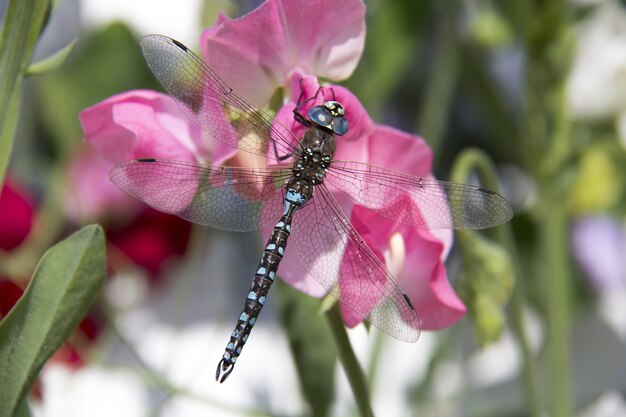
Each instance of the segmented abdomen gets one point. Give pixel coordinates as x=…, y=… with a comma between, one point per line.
x=263, y=280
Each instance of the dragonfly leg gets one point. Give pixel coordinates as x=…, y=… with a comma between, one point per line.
x=281, y=157
x=296, y=112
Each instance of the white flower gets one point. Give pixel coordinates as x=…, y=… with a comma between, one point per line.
x=597, y=82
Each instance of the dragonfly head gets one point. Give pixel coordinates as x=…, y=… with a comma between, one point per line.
x=330, y=116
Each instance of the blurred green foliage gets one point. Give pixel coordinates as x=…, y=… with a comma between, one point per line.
x=311, y=346
x=104, y=63
x=485, y=285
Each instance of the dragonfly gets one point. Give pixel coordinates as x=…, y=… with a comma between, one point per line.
x=295, y=194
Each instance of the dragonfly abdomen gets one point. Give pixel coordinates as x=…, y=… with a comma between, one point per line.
x=263, y=280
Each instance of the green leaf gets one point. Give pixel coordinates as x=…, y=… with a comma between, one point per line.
x=52, y=62
x=64, y=285
x=22, y=25
x=311, y=344
x=22, y=409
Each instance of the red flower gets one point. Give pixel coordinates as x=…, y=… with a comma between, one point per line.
x=16, y=215
x=150, y=240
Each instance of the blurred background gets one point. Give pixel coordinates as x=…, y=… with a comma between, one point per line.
x=536, y=87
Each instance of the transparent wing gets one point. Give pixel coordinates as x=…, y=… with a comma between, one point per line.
x=210, y=103
x=228, y=198
x=419, y=202
x=333, y=252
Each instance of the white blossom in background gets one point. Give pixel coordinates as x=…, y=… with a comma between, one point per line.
x=597, y=82
x=92, y=391
x=147, y=16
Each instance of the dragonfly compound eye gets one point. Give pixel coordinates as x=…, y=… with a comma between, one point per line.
x=331, y=116
x=321, y=116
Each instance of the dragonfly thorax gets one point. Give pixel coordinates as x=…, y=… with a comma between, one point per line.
x=316, y=153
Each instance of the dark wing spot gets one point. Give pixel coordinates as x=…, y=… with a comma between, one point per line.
x=486, y=190
x=146, y=160
x=408, y=301
x=180, y=45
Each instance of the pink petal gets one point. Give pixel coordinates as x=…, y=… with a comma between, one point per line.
x=331, y=43
x=425, y=281
x=89, y=195
x=400, y=151
x=142, y=123
x=139, y=124
x=258, y=52
x=306, y=91
x=422, y=277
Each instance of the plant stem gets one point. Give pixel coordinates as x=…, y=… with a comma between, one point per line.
x=441, y=81
x=351, y=365
x=546, y=135
x=474, y=159
x=22, y=25
x=557, y=283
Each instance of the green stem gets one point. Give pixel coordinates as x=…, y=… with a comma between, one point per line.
x=557, y=283
x=22, y=25
x=547, y=143
x=474, y=159
x=351, y=365
x=377, y=351
x=440, y=83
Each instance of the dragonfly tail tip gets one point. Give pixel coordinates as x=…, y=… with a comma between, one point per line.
x=226, y=367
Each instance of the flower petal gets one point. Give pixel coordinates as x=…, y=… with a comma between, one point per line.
x=422, y=276
x=89, y=195
x=142, y=123
x=599, y=245
x=400, y=151
x=292, y=272
x=9, y=294
x=16, y=215
x=258, y=52
x=307, y=93
x=152, y=239
x=425, y=281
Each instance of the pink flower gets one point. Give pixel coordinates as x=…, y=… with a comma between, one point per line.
x=142, y=123
x=419, y=267
x=281, y=44
x=89, y=195
x=260, y=51
x=132, y=125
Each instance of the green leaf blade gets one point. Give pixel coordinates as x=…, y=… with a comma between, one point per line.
x=52, y=62
x=64, y=286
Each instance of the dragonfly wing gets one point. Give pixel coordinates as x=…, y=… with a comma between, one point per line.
x=210, y=103
x=334, y=253
x=234, y=199
x=419, y=202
